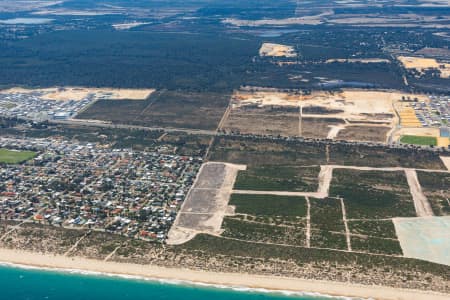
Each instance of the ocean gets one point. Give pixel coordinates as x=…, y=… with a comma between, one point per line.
x=18, y=283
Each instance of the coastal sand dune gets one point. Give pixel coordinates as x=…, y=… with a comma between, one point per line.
x=228, y=279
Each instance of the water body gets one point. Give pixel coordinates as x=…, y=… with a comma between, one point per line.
x=26, y=21
x=34, y=284
x=346, y=84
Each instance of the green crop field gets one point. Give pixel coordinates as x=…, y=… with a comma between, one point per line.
x=15, y=157
x=419, y=140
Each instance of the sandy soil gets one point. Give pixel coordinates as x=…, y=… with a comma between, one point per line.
x=421, y=64
x=425, y=238
x=415, y=131
x=79, y=93
x=334, y=130
x=206, y=203
x=277, y=50
x=421, y=204
x=227, y=279
x=446, y=161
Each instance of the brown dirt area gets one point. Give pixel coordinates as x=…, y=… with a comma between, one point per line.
x=263, y=122
x=364, y=133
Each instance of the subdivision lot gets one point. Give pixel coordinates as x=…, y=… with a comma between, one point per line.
x=326, y=214
x=425, y=238
x=269, y=205
x=278, y=178
x=364, y=133
x=262, y=122
x=360, y=155
x=264, y=233
x=373, y=194
x=164, y=109
x=375, y=228
x=261, y=152
x=436, y=187
x=318, y=127
x=206, y=203
x=376, y=245
x=266, y=151
x=186, y=110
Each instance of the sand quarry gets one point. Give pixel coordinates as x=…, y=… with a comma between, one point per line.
x=80, y=93
x=277, y=50
x=421, y=64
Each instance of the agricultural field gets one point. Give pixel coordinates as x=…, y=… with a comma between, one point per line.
x=15, y=157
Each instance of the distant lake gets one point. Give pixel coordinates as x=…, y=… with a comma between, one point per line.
x=274, y=32
x=26, y=21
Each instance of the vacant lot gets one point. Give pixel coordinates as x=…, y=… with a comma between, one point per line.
x=263, y=121
x=264, y=152
x=364, y=133
x=278, y=178
x=318, y=127
x=425, y=238
x=269, y=205
x=373, y=194
x=15, y=157
x=436, y=187
x=163, y=109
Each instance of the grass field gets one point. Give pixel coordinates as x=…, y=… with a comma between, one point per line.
x=15, y=157
x=419, y=140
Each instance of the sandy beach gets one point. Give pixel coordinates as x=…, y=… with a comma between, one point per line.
x=227, y=279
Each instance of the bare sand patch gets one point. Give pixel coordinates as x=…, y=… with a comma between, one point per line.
x=425, y=238
x=423, y=131
x=277, y=50
x=206, y=203
x=446, y=161
x=80, y=93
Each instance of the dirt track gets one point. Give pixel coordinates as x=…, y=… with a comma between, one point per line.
x=421, y=204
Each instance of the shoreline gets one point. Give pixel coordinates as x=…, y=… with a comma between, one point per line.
x=230, y=280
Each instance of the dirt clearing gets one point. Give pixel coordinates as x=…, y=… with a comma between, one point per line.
x=206, y=204
x=277, y=50
x=425, y=238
